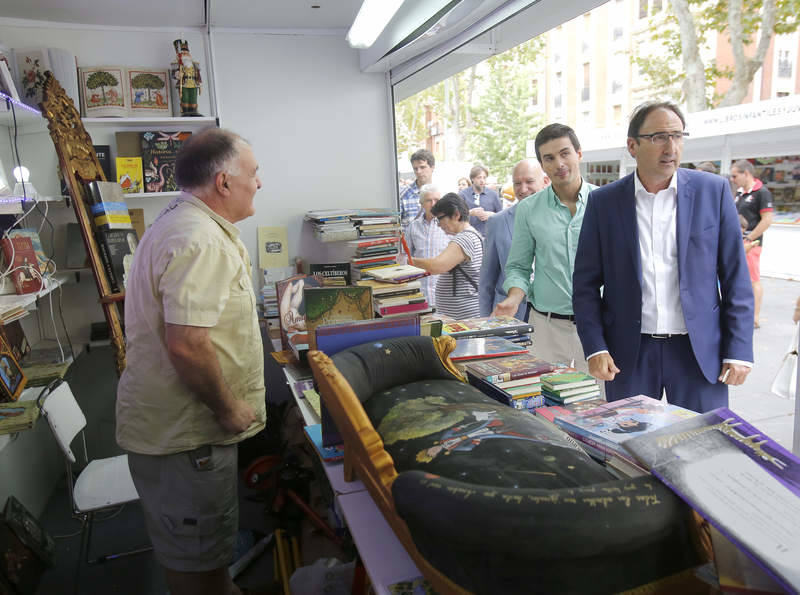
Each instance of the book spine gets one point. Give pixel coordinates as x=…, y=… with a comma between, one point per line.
x=403, y=308
x=106, y=258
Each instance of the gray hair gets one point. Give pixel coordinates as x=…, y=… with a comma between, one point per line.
x=206, y=154
x=427, y=189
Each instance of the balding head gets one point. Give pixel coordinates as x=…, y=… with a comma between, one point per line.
x=528, y=178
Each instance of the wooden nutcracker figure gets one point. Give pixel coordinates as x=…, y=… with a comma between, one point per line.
x=187, y=79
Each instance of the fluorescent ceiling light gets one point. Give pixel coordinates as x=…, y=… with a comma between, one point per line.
x=370, y=21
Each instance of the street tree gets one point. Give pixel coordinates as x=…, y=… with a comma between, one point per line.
x=749, y=27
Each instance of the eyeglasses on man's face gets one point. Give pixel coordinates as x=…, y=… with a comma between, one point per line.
x=662, y=138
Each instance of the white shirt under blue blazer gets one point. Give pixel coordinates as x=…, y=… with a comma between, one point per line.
x=496, y=247
x=718, y=317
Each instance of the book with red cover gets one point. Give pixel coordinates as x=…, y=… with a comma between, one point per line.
x=25, y=272
x=403, y=308
x=510, y=368
x=485, y=347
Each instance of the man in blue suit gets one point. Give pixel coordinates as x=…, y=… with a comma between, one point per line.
x=528, y=178
x=676, y=309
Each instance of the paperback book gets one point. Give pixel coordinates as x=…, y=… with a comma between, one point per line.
x=744, y=483
x=159, y=151
x=510, y=368
x=486, y=326
x=117, y=247
x=16, y=417
x=472, y=348
x=398, y=273
x=610, y=424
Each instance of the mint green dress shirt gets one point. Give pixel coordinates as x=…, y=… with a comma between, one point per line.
x=546, y=235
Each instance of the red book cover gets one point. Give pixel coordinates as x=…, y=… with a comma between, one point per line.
x=403, y=308
x=25, y=266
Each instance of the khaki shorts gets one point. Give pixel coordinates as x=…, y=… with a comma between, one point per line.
x=191, y=513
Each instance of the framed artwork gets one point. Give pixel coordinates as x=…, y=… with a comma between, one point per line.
x=31, y=66
x=103, y=91
x=149, y=92
x=7, y=85
x=12, y=378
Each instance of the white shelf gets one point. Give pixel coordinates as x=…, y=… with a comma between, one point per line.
x=26, y=116
x=151, y=194
x=146, y=123
x=8, y=302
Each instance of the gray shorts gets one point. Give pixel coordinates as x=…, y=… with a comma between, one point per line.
x=191, y=506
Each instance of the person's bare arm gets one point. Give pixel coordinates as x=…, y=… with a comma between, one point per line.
x=446, y=260
x=191, y=352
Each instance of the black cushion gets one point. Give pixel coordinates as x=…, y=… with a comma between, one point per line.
x=452, y=429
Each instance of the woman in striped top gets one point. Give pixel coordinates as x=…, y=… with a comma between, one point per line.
x=459, y=265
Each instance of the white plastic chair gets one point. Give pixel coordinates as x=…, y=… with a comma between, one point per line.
x=103, y=483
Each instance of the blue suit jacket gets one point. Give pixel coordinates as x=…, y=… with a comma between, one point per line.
x=719, y=318
x=496, y=247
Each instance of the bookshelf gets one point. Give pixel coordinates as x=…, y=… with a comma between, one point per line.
x=26, y=300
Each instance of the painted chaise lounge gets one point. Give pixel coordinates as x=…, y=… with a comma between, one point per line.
x=488, y=499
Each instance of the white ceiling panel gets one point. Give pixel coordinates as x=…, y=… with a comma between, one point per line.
x=141, y=13
x=247, y=14
x=284, y=14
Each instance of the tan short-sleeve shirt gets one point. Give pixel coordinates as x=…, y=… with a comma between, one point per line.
x=191, y=269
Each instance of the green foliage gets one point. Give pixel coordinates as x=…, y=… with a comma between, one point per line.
x=665, y=70
x=101, y=78
x=503, y=119
x=495, y=127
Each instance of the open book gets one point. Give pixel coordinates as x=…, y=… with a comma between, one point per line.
x=742, y=482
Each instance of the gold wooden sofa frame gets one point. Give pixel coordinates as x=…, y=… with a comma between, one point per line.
x=365, y=457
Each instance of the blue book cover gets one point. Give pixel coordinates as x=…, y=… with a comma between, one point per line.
x=329, y=454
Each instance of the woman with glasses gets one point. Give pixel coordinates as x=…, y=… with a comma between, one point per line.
x=459, y=265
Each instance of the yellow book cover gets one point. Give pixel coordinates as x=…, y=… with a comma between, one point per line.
x=129, y=174
x=273, y=250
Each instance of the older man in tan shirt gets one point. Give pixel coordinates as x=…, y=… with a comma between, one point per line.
x=194, y=384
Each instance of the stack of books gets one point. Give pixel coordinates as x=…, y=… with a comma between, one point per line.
x=513, y=381
x=391, y=299
x=603, y=429
x=567, y=385
x=396, y=273
x=371, y=253
x=376, y=222
x=332, y=225
x=507, y=327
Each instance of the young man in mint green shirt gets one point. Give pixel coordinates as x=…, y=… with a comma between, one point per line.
x=546, y=231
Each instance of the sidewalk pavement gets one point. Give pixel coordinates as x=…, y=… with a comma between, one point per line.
x=753, y=400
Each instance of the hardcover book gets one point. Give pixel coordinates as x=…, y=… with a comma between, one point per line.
x=328, y=454
x=108, y=206
x=292, y=311
x=550, y=413
x=46, y=264
x=484, y=348
x=334, y=273
x=118, y=91
x=510, y=368
x=744, y=483
x=327, y=305
x=398, y=273
x=117, y=248
x=129, y=174
x=419, y=306
x=486, y=326
x=159, y=150
x=563, y=381
x=25, y=271
x=15, y=339
x=612, y=423
x=333, y=338
x=103, y=153
x=12, y=378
